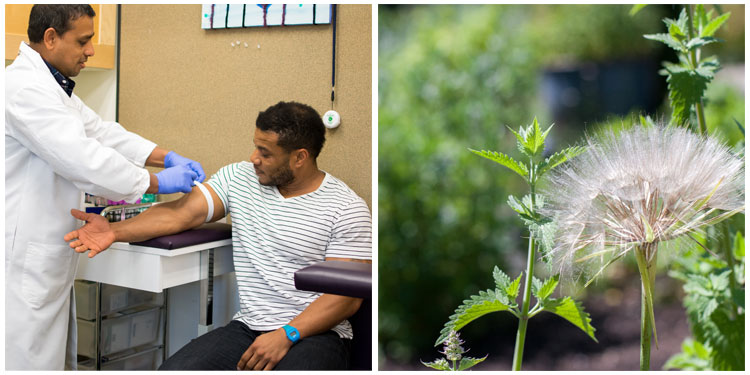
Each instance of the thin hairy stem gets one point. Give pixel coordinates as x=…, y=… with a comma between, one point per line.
x=524, y=319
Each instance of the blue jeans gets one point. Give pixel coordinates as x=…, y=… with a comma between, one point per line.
x=221, y=349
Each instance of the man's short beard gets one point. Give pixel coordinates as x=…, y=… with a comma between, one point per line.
x=281, y=177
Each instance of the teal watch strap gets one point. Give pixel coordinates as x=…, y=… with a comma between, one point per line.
x=291, y=333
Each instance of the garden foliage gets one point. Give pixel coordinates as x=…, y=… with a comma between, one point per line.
x=713, y=272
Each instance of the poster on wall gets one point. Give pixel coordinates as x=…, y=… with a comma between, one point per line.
x=223, y=16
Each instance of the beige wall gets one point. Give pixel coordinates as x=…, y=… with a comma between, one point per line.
x=189, y=90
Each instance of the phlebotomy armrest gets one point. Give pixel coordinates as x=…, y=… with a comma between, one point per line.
x=350, y=279
x=202, y=234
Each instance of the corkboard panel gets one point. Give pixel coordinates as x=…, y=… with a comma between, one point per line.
x=189, y=90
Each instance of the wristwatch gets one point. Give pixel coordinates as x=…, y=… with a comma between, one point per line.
x=291, y=333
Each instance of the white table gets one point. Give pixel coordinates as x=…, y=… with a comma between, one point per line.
x=153, y=269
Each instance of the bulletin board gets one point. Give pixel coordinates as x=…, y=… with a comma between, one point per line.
x=198, y=92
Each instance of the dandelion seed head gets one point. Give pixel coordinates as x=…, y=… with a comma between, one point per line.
x=643, y=186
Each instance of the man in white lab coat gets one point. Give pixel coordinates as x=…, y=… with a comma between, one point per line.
x=56, y=147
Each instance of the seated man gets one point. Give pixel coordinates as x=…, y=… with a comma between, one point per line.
x=286, y=214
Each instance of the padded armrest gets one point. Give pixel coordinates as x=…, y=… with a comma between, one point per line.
x=204, y=233
x=350, y=279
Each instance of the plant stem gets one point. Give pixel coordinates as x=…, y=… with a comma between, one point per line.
x=524, y=319
x=694, y=62
x=646, y=258
x=726, y=245
x=645, y=332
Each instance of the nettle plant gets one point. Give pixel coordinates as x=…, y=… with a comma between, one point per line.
x=504, y=297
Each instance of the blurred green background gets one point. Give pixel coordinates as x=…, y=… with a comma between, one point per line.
x=451, y=78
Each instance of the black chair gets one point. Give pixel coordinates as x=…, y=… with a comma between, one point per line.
x=349, y=279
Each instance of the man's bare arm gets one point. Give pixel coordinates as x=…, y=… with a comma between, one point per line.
x=163, y=219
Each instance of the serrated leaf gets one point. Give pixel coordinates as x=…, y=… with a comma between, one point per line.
x=559, y=158
x=538, y=201
x=545, y=235
x=694, y=357
x=636, y=8
x=720, y=282
x=530, y=140
x=501, y=279
x=518, y=206
x=715, y=24
x=675, y=32
x=536, y=284
x=572, y=311
x=700, y=19
x=685, y=89
x=547, y=288
x=504, y=160
x=512, y=289
x=682, y=22
x=666, y=39
x=470, y=310
x=468, y=362
x=438, y=364
x=700, y=42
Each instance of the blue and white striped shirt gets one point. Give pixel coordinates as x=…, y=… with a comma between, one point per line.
x=275, y=236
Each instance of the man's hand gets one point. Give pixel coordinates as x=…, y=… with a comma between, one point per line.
x=172, y=159
x=266, y=351
x=95, y=237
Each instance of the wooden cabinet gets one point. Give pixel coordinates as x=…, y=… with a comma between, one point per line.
x=105, y=29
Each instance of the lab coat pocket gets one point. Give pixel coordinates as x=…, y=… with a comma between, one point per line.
x=47, y=273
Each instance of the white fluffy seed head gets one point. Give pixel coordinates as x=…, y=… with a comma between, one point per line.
x=644, y=185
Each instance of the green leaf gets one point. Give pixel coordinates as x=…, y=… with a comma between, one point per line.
x=700, y=19
x=701, y=41
x=739, y=246
x=694, y=357
x=666, y=39
x=559, y=158
x=686, y=88
x=571, y=311
x=536, y=284
x=471, y=309
x=468, y=362
x=715, y=24
x=530, y=139
x=520, y=208
x=547, y=288
x=675, y=32
x=501, y=279
x=682, y=22
x=545, y=235
x=636, y=8
x=438, y=364
x=512, y=289
x=504, y=160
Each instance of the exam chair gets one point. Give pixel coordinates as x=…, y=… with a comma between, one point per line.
x=347, y=279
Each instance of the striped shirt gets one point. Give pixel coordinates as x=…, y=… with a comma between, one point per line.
x=275, y=236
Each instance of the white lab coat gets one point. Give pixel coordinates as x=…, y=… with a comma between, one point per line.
x=55, y=147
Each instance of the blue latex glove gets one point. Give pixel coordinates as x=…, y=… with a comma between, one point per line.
x=173, y=159
x=176, y=179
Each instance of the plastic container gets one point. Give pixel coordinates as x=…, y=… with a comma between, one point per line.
x=119, y=333
x=146, y=360
x=114, y=299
